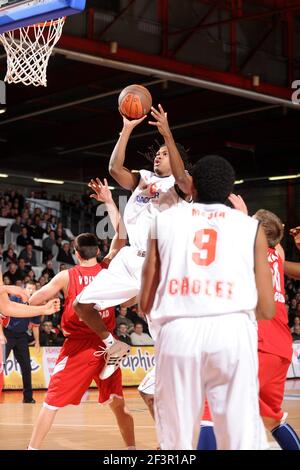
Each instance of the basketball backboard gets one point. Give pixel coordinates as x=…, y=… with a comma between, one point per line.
x=18, y=13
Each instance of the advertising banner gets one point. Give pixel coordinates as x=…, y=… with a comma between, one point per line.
x=134, y=367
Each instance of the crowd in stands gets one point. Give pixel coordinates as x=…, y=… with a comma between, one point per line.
x=132, y=329
x=292, y=297
x=42, y=242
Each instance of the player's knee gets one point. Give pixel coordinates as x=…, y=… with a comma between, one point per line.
x=118, y=406
x=148, y=399
x=142, y=394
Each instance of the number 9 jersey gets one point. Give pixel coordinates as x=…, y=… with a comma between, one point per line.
x=208, y=269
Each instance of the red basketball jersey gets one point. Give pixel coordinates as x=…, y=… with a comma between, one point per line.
x=274, y=335
x=79, y=278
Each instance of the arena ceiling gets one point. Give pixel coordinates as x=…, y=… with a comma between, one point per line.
x=222, y=69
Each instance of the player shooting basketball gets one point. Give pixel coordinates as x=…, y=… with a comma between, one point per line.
x=152, y=192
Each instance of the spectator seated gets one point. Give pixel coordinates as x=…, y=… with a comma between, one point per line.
x=139, y=338
x=123, y=334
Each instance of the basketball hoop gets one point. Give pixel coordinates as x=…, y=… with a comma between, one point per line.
x=28, y=51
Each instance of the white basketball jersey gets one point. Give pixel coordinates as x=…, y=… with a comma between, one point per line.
x=207, y=262
x=153, y=195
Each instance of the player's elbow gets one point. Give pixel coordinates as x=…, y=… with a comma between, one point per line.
x=270, y=311
x=113, y=171
x=37, y=300
x=266, y=310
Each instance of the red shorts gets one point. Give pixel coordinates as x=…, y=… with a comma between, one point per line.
x=74, y=371
x=272, y=376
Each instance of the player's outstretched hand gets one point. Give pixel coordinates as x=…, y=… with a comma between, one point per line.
x=238, y=203
x=102, y=191
x=15, y=290
x=52, y=306
x=132, y=123
x=161, y=121
x=295, y=232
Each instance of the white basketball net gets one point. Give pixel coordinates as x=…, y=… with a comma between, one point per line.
x=28, y=51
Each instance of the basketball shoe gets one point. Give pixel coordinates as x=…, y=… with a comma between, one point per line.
x=113, y=357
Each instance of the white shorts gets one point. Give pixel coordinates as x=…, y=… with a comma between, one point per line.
x=117, y=284
x=147, y=385
x=214, y=357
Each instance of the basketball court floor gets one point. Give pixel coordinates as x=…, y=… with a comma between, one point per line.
x=92, y=427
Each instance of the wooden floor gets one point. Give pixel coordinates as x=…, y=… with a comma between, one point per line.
x=90, y=426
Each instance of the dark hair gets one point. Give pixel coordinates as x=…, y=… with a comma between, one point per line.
x=272, y=226
x=150, y=154
x=86, y=244
x=213, y=179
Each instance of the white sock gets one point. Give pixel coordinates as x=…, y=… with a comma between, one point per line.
x=31, y=448
x=109, y=341
x=131, y=448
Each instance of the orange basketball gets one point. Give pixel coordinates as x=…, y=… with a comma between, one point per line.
x=135, y=101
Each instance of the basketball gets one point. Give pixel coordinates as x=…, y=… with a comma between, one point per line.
x=135, y=101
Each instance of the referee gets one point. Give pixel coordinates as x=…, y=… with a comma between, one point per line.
x=17, y=340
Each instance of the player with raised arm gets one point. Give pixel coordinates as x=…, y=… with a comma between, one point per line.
x=152, y=192
x=79, y=361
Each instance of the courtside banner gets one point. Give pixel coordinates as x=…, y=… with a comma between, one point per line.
x=134, y=367
x=137, y=365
